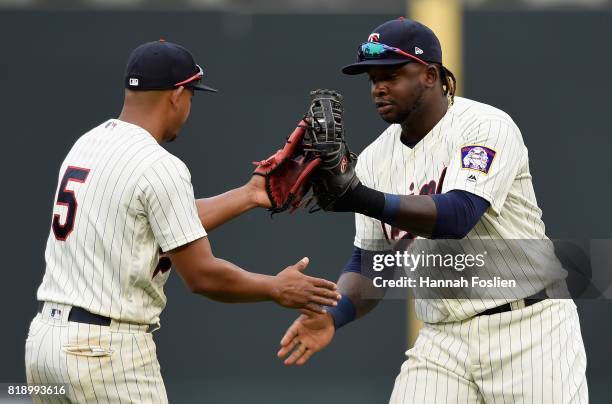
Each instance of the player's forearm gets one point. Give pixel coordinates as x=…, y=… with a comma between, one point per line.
x=219, y=209
x=449, y=215
x=360, y=290
x=225, y=282
x=221, y=280
x=416, y=214
x=359, y=295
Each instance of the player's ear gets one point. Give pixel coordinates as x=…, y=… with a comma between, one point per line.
x=431, y=75
x=175, y=96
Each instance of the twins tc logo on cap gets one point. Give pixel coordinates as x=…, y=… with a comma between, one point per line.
x=478, y=158
x=374, y=37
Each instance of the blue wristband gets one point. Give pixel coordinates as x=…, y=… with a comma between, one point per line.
x=343, y=313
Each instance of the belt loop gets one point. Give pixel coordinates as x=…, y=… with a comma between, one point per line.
x=154, y=327
x=518, y=304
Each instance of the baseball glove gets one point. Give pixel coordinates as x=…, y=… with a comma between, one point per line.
x=287, y=171
x=324, y=140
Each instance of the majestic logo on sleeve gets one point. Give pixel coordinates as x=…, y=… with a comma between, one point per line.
x=478, y=158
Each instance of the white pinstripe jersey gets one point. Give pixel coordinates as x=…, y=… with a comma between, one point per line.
x=120, y=198
x=474, y=147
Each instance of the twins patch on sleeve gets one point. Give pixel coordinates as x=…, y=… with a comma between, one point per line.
x=478, y=158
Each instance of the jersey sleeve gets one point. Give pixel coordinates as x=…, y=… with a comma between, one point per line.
x=170, y=204
x=368, y=231
x=485, y=161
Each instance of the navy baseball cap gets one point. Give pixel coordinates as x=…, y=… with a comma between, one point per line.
x=162, y=65
x=397, y=42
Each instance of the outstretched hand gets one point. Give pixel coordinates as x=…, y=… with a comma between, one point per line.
x=295, y=290
x=307, y=335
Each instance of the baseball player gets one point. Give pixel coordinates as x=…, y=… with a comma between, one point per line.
x=449, y=167
x=121, y=201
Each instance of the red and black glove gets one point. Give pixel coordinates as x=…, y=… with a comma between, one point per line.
x=287, y=172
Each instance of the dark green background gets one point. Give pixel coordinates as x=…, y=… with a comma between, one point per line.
x=61, y=73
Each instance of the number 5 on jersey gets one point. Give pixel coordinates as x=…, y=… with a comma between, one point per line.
x=66, y=197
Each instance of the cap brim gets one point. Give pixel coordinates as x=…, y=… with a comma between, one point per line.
x=362, y=67
x=202, y=87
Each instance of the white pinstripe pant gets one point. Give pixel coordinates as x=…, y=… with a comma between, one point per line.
x=531, y=355
x=116, y=364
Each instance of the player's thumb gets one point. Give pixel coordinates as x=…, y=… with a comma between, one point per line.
x=302, y=264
